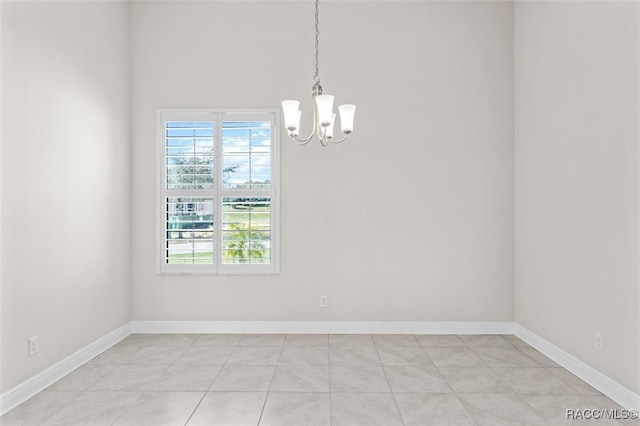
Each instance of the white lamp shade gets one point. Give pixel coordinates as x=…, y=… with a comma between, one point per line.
x=291, y=116
x=329, y=129
x=347, y=112
x=325, y=109
x=296, y=131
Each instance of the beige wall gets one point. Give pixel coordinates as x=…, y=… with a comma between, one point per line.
x=576, y=161
x=65, y=180
x=409, y=220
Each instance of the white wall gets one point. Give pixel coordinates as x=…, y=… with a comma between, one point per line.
x=65, y=173
x=1, y=197
x=576, y=160
x=411, y=219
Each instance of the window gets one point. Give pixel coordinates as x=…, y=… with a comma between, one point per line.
x=217, y=192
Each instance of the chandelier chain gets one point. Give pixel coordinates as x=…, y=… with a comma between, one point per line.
x=316, y=78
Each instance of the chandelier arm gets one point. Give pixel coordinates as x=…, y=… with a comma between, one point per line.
x=304, y=141
x=299, y=141
x=324, y=140
x=346, y=135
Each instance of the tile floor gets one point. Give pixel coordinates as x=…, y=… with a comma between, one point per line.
x=305, y=380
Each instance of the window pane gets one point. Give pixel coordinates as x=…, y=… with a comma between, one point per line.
x=246, y=230
x=189, y=154
x=246, y=154
x=189, y=230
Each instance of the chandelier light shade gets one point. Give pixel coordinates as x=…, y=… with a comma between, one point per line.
x=291, y=114
x=323, y=116
x=347, y=112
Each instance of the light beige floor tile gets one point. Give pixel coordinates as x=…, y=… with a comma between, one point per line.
x=152, y=379
x=573, y=381
x=138, y=339
x=505, y=409
x=485, y=340
x=515, y=341
x=262, y=340
x=439, y=340
x=395, y=340
x=350, y=340
x=353, y=355
x=364, y=409
x=94, y=408
x=39, y=408
x=218, y=340
x=358, y=379
x=116, y=355
x=306, y=340
x=175, y=340
x=403, y=355
x=229, y=409
x=603, y=401
x=415, y=378
x=300, y=379
x=538, y=357
x=83, y=378
x=626, y=417
x=629, y=420
x=454, y=357
x=206, y=355
x=187, y=378
x=254, y=355
x=534, y=381
x=161, y=408
x=157, y=355
x=420, y=409
x=505, y=357
x=304, y=355
x=557, y=409
x=130, y=377
x=243, y=378
x=296, y=408
x=474, y=380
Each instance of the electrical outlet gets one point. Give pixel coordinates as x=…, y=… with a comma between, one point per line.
x=34, y=345
x=599, y=341
x=323, y=301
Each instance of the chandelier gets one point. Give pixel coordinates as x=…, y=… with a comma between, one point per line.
x=323, y=115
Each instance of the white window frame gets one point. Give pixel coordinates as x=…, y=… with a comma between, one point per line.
x=217, y=116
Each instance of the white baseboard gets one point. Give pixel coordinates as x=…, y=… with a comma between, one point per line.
x=318, y=327
x=25, y=390
x=614, y=390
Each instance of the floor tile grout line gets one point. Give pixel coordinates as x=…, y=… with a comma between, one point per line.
x=264, y=405
x=501, y=378
x=393, y=395
x=523, y=400
x=204, y=395
x=58, y=410
x=124, y=411
x=473, y=419
x=268, y=393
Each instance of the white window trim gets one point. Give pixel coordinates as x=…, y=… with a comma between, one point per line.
x=217, y=115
